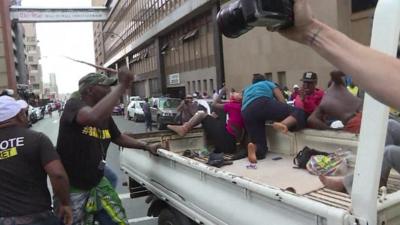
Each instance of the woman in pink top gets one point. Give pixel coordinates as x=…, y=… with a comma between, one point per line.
x=222, y=135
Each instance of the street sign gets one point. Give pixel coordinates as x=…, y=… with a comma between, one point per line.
x=23, y=14
x=174, y=79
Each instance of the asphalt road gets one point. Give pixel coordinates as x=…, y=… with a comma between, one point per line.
x=135, y=208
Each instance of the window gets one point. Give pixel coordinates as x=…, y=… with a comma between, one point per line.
x=199, y=85
x=30, y=58
x=360, y=5
x=194, y=86
x=205, y=89
x=268, y=76
x=282, y=78
x=188, y=87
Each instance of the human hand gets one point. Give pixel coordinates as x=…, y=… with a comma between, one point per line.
x=65, y=213
x=125, y=77
x=152, y=148
x=303, y=22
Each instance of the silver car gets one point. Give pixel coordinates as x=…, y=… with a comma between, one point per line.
x=163, y=111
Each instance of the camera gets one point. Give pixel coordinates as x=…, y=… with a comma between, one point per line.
x=242, y=15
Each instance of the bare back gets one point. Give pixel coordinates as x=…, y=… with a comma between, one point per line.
x=339, y=103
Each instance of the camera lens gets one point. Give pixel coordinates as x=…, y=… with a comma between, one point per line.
x=231, y=22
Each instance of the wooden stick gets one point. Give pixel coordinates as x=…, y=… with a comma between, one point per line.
x=93, y=65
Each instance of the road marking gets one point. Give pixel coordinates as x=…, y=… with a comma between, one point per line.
x=124, y=196
x=140, y=219
x=55, y=121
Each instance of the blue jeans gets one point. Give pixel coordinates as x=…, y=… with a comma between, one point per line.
x=104, y=219
x=111, y=176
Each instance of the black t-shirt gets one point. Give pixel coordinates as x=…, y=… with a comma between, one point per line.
x=82, y=148
x=23, y=180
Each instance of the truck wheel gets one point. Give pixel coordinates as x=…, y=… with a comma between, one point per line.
x=170, y=216
x=129, y=117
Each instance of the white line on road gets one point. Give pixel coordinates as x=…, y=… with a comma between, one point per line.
x=124, y=196
x=55, y=121
x=140, y=219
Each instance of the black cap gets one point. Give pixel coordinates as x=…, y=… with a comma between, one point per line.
x=309, y=77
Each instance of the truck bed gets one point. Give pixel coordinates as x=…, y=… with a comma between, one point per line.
x=270, y=179
x=281, y=174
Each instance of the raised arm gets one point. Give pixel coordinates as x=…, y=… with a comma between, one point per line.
x=375, y=72
x=217, y=103
x=103, y=109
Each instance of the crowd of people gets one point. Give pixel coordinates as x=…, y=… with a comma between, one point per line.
x=77, y=168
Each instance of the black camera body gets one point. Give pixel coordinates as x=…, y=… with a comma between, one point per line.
x=242, y=15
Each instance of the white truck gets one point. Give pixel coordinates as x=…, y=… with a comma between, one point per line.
x=187, y=191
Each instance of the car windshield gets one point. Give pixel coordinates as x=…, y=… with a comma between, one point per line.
x=169, y=103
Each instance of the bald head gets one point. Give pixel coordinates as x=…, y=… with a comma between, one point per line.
x=337, y=77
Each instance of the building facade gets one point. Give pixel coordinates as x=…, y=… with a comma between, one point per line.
x=33, y=57
x=172, y=46
x=175, y=47
x=7, y=59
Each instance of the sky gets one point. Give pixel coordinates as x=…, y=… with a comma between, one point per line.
x=64, y=39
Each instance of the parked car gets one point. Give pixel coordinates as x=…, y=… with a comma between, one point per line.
x=135, y=111
x=134, y=98
x=163, y=111
x=35, y=114
x=118, y=110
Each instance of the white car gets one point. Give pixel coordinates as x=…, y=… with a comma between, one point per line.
x=135, y=98
x=135, y=111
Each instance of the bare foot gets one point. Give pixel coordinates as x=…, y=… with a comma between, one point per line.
x=280, y=127
x=251, y=152
x=333, y=183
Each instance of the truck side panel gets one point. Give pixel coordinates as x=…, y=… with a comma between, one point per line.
x=204, y=194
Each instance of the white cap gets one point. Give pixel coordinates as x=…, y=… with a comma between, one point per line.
x=295, y=86
x=9, y=107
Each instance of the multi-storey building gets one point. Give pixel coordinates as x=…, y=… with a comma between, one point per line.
x=172, y=46
x=283, y=61
x=12, y=56
x=53, y=86
x=175, y=47
x=33, y=57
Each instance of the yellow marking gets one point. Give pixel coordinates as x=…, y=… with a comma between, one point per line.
x=96, y=133
x=11, y=152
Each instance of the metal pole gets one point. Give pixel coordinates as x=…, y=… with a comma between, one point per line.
x=385, y=38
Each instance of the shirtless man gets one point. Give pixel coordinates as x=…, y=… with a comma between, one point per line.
x=339, y=104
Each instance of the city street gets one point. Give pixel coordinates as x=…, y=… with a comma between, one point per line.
x=135, y=208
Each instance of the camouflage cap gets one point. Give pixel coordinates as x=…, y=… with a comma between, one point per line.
x=96, y=79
